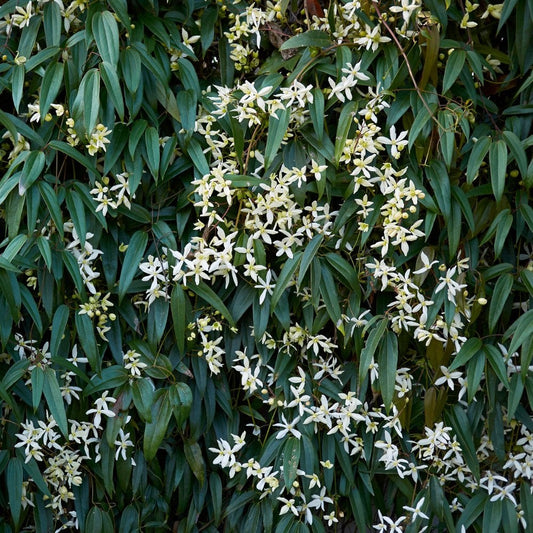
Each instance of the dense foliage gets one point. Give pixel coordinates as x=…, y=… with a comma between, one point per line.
x=266, y=266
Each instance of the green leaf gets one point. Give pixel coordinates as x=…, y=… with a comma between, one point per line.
x=285, y=277
x=291, y=459
x=492, y=516
x=110, y=377
x=314, y=38
x=120, y=7
x=129, y=520
x=316, y=109
x=474, y=373
x=198, y=157
x=388, y=364
x=277, y=128
x=52, y=393
x=440, y=182
x=77, y=213
x=526, y=277
x=521, y=330
x=421, y=119
x=52, y=80
x=447, y=136
x=193, y=454
x=346, y=121
x=181, y=401
x=371, y=345
x=478, y=153
x=345, y=272
x=74, y=270
x=13, y=248
x=130, y=64
x=517, y=150
x=187, y=107
x=59, y=324
x=215, y=489
x=473, y=509
x=209, y=296
x=310, y=251
x=50, y=199
x=329, y=294
x=153, y=153
x=498, y=165
x=94, y=520
x=470, y=348
x=462, y=200
x=507, y=9
x=112, y=85
x=52, y=24
x=143, y=398
x=33, y=166
x=105, y=31
x=496, y=361
x=14, y=479
x=15, y=372
x=77, y=156
x=9, y=125
x=502, y=231
x=207, y=27
x=37, y=385
x=454, y=65
x=501, y=293
x=31, y=307
x=461, y=426
x=17, y=84
x=132, y=259
x=178, y=306
x=189, y=77
x=87, y=340
x=91, y=98
x=240, y=180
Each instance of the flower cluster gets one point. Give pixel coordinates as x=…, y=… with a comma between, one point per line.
x=111, y=197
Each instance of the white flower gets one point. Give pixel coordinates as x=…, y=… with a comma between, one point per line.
x=417, y=512
x=288, y=427
x=122, y=443
x=266, y=285
x=448, y=377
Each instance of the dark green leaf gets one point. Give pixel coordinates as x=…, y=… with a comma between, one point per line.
x=132, y=259
x=313, y=38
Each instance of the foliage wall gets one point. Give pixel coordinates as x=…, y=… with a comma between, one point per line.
x=266, y=266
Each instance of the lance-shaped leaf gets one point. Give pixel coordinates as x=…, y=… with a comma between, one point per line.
x=502, y=289
x=454, y=65
x=14, y=478
x=371, y=345
x=33, y=166
x=178, y=306
x=132, y=259
x=59, y=324
x=498, y=166
x=285, y=277
x=208, y=295
x=154, y=431
x=277, y=127
x=112, y=85
x=314, y=38
x=291, y=459
x=193, y=454
x=105, y=31
x=54, y=399
x=52, y=80
x=388, y=363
